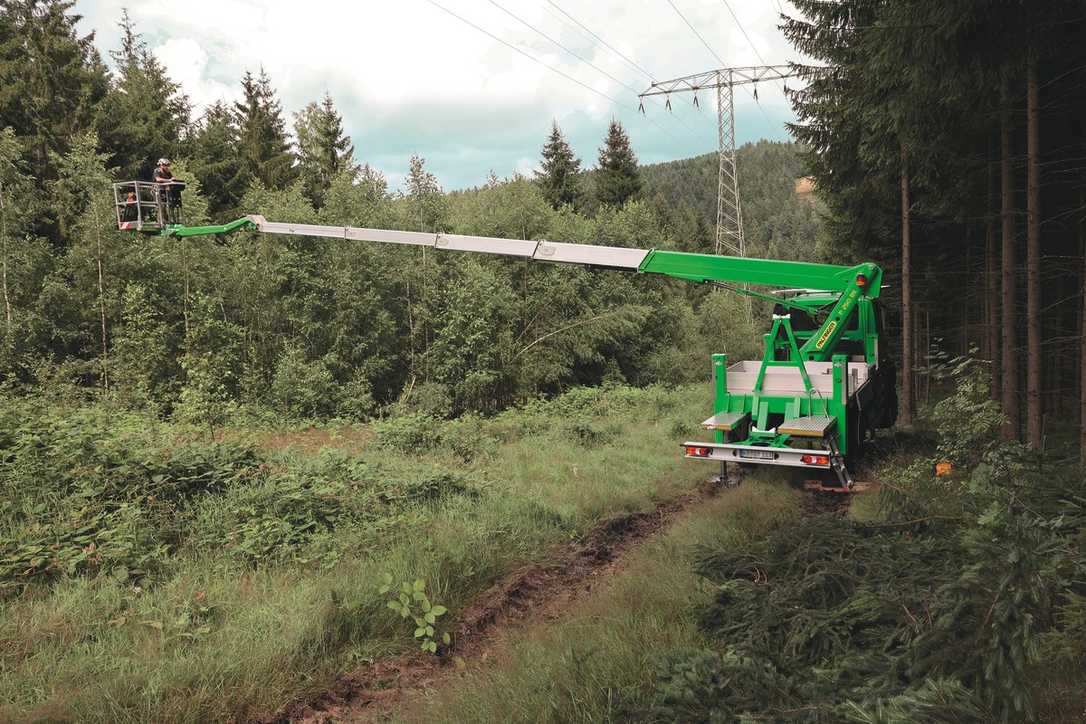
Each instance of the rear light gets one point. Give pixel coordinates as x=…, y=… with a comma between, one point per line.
x=815, y=460
x=696, y=451
x=861, y=280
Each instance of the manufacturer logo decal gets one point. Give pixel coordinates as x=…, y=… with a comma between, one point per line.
x=826, y=335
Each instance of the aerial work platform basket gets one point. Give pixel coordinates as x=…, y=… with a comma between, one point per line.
x=146, y=205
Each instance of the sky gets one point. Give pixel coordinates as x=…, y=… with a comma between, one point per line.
x=410, y=77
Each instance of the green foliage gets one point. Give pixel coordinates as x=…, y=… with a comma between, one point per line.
x=210, y=365
x=146, y=113
x=216, y=159
x=710, y=688
x=259, y=569
x=302, y=388
x=409, y=433
x=89, y=491
x=262, y=137
x=617, y=179
x=937, y=614
x=778, y=223
x=60, y=71
x=324, y=150
x=425, y=203
x=411, y=602
x=141, y=366
x=467, y=437
x=967, y=421
x=558, y=175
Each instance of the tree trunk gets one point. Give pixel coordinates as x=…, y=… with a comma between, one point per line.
x=185, y=262
x=4, y=236
x=1082, y=334
x=1034, y=419
x=906, y=412
x=991, y=292
x=1010, y=319
x=101, y=297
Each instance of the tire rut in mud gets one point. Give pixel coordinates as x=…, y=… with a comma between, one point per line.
x=539, y=591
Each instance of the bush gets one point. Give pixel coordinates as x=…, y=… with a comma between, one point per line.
x=465, y=437
x=430, y=398
x=410, y=433
x=356, y=399
x=91, y=490
x=584, y=431
x=875, y=623
x=302, y=388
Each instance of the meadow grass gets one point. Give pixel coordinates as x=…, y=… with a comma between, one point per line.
x=595, y=663
x=214, y=635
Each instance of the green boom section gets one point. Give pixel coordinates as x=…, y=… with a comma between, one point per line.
x=767, y=272
x=183, y=231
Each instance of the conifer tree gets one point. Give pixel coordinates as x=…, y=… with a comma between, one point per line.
x=146, y=113
x=324, y=149
x=618, y=179
x=52, y=79
x=558, y=176
x=216, y=161
x=426, y=202
x=262, y=137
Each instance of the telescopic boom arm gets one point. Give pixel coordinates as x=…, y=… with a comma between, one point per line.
x=850, y=282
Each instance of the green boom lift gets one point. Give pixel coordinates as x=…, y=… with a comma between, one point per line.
x=823, y=382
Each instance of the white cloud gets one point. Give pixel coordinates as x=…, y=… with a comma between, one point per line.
x=409, y=77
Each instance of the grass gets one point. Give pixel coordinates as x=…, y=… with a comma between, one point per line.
x=212, y=634
x=596, y=663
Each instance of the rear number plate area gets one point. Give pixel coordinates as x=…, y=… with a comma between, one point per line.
x=757, y=454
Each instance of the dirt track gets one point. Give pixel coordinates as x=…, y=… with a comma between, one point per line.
x=537, y=592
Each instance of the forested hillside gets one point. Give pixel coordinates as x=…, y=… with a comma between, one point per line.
x=778, y=223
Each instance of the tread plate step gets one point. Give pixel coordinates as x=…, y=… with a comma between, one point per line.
x=726, y=421
x=811, y=426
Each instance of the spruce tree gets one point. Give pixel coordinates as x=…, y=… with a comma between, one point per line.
x=617, y=180
x=146, y=114
x=425, y=201
x=324, y=149
x=262, y=136
x=216, y=161
x=558, y=177
x=52, y=79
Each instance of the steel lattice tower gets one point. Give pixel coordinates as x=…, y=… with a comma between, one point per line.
x=729, y=214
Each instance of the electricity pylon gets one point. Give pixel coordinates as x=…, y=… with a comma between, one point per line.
x=729, y=215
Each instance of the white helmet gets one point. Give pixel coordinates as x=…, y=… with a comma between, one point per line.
x=163, y=162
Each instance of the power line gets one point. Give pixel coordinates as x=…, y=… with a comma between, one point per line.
x=752, y=46
x=744, y=32
x=695, y=31
x=610, y=47
x=581, y=58
x=576, y=55
x=534, y=59
x=607, y=45
x=710, y=49
x=527, y=55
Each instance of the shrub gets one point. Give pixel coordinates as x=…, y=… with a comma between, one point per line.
x=466, y=438
x=356, y=399
x=303, y=388
x=411, y=433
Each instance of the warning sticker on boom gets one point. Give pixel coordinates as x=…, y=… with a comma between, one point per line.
x=826, y=334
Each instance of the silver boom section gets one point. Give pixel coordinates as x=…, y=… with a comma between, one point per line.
x=611, y=257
